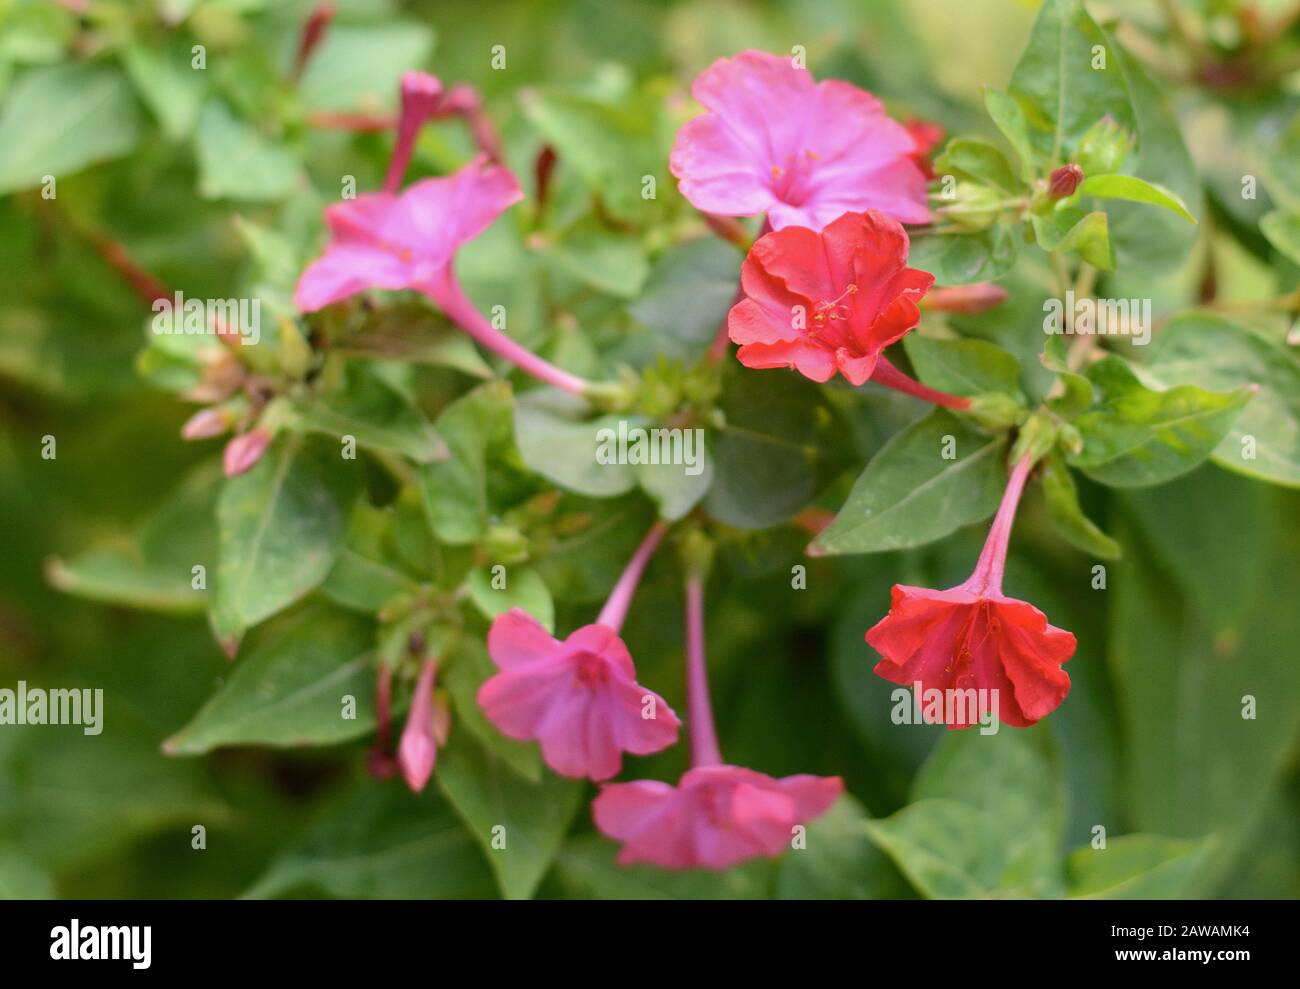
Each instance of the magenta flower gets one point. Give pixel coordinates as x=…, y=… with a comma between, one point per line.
x=717, y=815
x=405, y=241
x=774, y=141
x=579, y=698
x=244, y=451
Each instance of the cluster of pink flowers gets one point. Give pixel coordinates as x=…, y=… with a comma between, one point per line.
x=824, y=291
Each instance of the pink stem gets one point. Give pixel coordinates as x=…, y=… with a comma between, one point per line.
x=620, y=597
x=987, y=577
x=891, y=377
x=446, y=291
x=699, y=712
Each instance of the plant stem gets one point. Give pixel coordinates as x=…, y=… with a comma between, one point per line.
x=891, y=377
x=615, y=610
x=699, y=711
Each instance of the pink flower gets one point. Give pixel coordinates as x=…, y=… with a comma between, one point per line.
x=715, y=817
x=774, y=141
x=426, y=729
x=579, y=698
x=405, y=241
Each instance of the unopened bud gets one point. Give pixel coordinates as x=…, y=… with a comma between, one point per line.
x=965, y=298
x=244, y=451
x=207, y=423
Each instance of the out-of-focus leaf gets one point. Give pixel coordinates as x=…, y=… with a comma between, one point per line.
x=1138, y=436
x=169, y=85
x=524, y=589
x=1067, y=516
x=375, y=414
x=964, y=258
x=1210, y=351
x=59, y=119
x=381, y=842
x=475, y=427
x=1009, y=117
x=678, y=487
x=972, y=158
x=563, y=448
x=289, y=686
x=608, y=262
x=1134, y=190
x=1283, y=231
x=153, y=569
x=910, y=494
x=1138, y=867
x=236, y=161
x=689, y=291
x=772, y=450
x=963, y=367
x=1071, y=231
x=281, y=527
x=519, y=825
x=359, y=67
x=838, y=861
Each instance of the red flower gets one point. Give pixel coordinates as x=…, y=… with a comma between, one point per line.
x=927, y=136
x=973, y=637
x=829, y=301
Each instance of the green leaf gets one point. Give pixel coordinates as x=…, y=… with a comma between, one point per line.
x=1072, y=395
x=1208, y=350
x=1066, y=515
x=375, y=414
x=987, y=818
x=58, y=120
x=1069, y=230
x=236, y=161
x=1135, y=190
x=608, y=262
x=1138, y=436
x=1210, y=761
x=381, y=842
x=1146, y=241
x=153, y=567
x=1283, y=232
x=838, y=861
x=910, y=494
x=360, y=66
x=519, y=825
x=169, y=85
x=1068, y=78
x=554, y=442
x=524, y=589
x=689, y=291
x=476, y=428
x=586, y=869
x=946, y=849
x=611, y=145
x=1138, y=867
x=972, y=158
x=281, y=527
x=416, y=333
x=465, y=674
x=678, y=487
x=963, y=367
x=23, y=879
x=289, y=685
x=772, y=450
x=1010, y=119
x=364, y=584
x=965, y=258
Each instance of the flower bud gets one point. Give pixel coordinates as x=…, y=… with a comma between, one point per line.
x=418, y=749
x=1064, y=181
x=244, y=451
x=206, y=423
x=965, y=298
